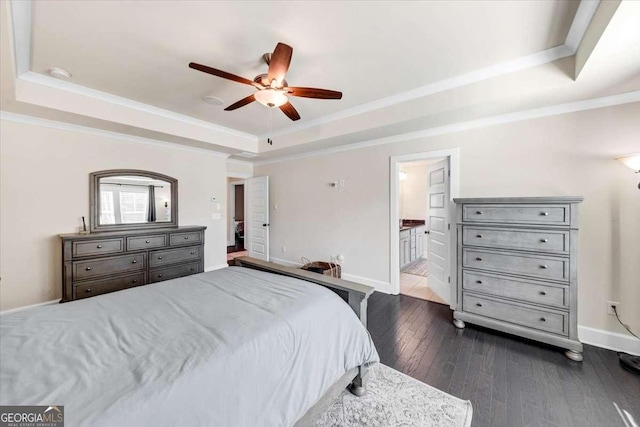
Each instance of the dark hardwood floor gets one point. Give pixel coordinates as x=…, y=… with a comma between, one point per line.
x=510, y=382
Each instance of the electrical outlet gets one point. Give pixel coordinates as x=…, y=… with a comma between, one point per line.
x=610, y=305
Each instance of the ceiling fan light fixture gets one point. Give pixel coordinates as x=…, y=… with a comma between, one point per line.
x=271, y=98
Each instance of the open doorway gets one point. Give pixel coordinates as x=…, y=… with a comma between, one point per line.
x=423, y=259
x=236, y=215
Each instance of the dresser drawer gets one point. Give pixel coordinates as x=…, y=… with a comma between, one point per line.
x=146, y=242
x=546, y=267
x=530, y=240
x=172, y=256
x=92, y=288
x=97, y=247
x=106, y=266
x=174, y=272
x=527, y=291
x=184, y=238
x=517, y=214
x=520, y=314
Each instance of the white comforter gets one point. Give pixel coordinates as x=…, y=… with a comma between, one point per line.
x=233, y=347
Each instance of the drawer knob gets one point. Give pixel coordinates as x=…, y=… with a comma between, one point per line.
x=478, y=212
x=193, y=253
x=135, y=261
x=88, y=268
x=543, y=293
x=478, y=258
x=159, y=257
x=192, y=268
x=99, y=246
x=159, y=275
x=544, y=267
x=478, y=304
x=87, y=290
x=544, y=213
x=134, y=281
x=186, y=237
x=543, y=240
x=542, y=319
x=479, y=236
x=147, y=241
x=479, y=282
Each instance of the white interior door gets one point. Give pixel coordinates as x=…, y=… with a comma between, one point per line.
x=439, y=234
x=256, y=223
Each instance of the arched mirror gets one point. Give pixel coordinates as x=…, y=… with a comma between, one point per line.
x=127, y=199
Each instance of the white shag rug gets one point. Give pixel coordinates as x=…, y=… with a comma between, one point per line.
x=394, y=399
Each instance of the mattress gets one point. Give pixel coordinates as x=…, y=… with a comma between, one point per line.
x=232, y=347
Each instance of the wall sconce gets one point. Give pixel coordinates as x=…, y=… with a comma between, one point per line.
x=632, y=161
x=403, y=175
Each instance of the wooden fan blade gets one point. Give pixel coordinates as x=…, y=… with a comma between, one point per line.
x=220, y=73
x=311, y=92
x=244, y=101
x=290, y=111
x=279, y=64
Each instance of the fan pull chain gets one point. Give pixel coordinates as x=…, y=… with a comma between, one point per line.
x=269, y=125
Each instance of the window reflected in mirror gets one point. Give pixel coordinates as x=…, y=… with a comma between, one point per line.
x=134, y=200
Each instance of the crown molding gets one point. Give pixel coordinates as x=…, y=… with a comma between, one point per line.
x=552, y=110
x=37, y=121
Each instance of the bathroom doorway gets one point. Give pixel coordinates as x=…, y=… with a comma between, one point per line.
x=236, y=215
x=421, y=200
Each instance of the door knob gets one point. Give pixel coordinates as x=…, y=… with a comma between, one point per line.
x=265, y=225
x=427, y=232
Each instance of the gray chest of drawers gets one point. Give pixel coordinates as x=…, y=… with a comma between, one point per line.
x=517, y=267
x=98, y=263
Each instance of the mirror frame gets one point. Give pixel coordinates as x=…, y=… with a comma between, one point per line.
x=94, y=200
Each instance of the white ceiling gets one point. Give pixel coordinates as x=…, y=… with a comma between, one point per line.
x=369, y=50
x=407, y=69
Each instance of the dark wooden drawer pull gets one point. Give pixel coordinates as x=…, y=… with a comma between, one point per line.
x=193, y=253
x=479, y=236
x=543, y=293
x=134, y=281
x=479, y=282
x=192, y=268
x=542, y=319
x=147, y=241
x=135, y=261
x=544, y=267
x=478, y=212
x=88, y=268
x=478, y=258
x=159, y=275
x=87, y=290
x=543, y=240
x=99, y=246
x=478, y=304
x=186, y=237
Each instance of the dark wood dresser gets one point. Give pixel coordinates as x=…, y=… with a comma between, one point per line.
x=98, y=263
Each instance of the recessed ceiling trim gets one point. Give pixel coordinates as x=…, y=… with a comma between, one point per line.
x=581, y=21
x=552, y=110
x=37, y=121
x=21, y=22
x=518, y=64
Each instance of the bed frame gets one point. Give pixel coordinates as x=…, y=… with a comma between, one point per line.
x=354, y=294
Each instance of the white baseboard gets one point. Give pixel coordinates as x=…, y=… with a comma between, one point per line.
x=216, y=267
x=609, y=340
x=25, y=307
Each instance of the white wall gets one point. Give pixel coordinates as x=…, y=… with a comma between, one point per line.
x=36, y=159
x=413, y=191
x=569, y=154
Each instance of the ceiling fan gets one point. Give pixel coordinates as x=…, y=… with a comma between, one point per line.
x=273, y=90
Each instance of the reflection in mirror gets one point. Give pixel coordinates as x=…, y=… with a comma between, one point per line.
x=133, y=200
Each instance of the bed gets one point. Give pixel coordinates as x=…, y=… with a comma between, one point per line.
x=233, y=347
